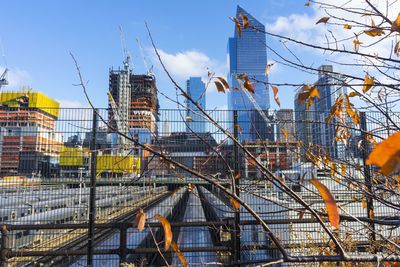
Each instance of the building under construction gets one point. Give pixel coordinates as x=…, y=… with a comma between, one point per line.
x=28, y=141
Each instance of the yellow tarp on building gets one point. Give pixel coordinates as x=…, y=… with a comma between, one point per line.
x=117, y=164
x=73, y=156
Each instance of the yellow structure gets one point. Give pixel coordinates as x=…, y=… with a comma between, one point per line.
x=117, y=164
x=73, y=156
x=35, y=100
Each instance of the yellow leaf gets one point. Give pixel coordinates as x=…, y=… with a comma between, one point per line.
x=237, y=176
x=167, y=230
x=285, y=133
x=323, y=20
x=140, y=220
x=356, y=44
x=371, y=214
x=330, y=203
x=396, y=24
x=223, y=81
x=386, y=154
x=275, y=90
x=188, y=118
x=368, y=83
x=374, y=32
x=268, y=69
x=237, y=24
x=234, y=203
x=343, y=169
x=179, y=253
x=347, y=26
x=398, y=182
x=247, y=84
x=353, y=94
x=364, y=203
x=245, y=20
x=220, y=87
x=314, y=92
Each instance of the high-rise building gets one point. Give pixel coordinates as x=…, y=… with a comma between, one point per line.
x=195, y=88
x=285, y=123
x=29, y=144
x=330, y=87
x=304, y=119
x=247, y=54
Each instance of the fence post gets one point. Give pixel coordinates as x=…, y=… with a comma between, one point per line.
x=92, y=200
x=367, y=174
x=4, y=246
x=235, y=187
x=122, y=243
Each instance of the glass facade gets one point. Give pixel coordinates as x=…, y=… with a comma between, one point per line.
x=247, y=54
x=195, y=88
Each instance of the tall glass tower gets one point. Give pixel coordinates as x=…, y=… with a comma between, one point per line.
x=247, y=54
x=195, y=88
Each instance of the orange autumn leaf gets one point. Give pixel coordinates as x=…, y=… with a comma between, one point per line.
x=220, y=87
x=396, y=24
x=167, y=231
x=237, y=176
x=386, y=154
x=364, y=204
x=181, y=258
x=245, y=20
x=374, y=31
x=323, y=20
x=237, y=24
x=330, y=203
x=234, y=203
x=347, y=26
x=275, y=91
x=247, y=84
x=140, y=220
x=285, y=133
x=356, y=43
x=368, y=83
x=398, y=182
x=224, y=82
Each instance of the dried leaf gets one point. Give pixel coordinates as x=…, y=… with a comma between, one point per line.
x=397, y=49
x=237, y=24
x=374, y=31
x=356, y=43
x=330, y=203
x=181, y=258
x=307, y=91
x=237, y=176
x=275, y=91
x=245, y=20
x=223, y=81
x=188, y=118
x=140, y=220
x=363, y=203
x=343, y=169
x=398, y=182
x=323, y=20
x=368, y=83
x=285, y=133
x=353, y=94
x=396, y=24
x=234, y=203
x=220, y=87
x=268, y=69
x=386, y=154
x=347, y=26
x=167, y=230
x=247, y=84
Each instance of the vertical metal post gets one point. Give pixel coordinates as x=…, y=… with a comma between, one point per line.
x=122, y=243
x=92, y=200
x=235, y=187
x=367, y=173
x=4, y=246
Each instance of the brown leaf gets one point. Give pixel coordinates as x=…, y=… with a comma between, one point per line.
x=353, y=94
x=396, y=24
x=323, y=20
x=373, y=32
x=275, y=90
x=167, y=230
x=234, y=203
x=237, y=24
x=223, y=81
x=368, y=83
x=386, y=154
x=181, y=258
x=330, y=203
x=285, y=133
x=397, y=49
x=247, y=84
x=220, y=87
x=245, y=20
x=347, y=26
x=268, y=69
x=356, y=44
x=140, y=220
x=237, y=176
x=363, y=203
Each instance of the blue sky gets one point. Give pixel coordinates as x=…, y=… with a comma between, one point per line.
x=38, y=35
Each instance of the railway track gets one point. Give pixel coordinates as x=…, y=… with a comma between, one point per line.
x=80, y=243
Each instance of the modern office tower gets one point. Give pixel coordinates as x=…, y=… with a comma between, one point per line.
x=330, y=87
x=195, y=88
x=29, y=144
x=285, y=122
x=304, y=121
x=247, y=54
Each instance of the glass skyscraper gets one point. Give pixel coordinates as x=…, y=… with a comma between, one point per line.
x=195, y=88
x=247, y=54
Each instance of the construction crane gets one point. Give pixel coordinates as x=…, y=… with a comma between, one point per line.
x=251, y=98
x=121, y=125
x=149, y=70
x=127, y=55
x=3, y=77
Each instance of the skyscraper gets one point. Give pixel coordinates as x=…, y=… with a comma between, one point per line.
x=285, y=122
x=195, y=88
x=330, y=87
x=247, y=54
